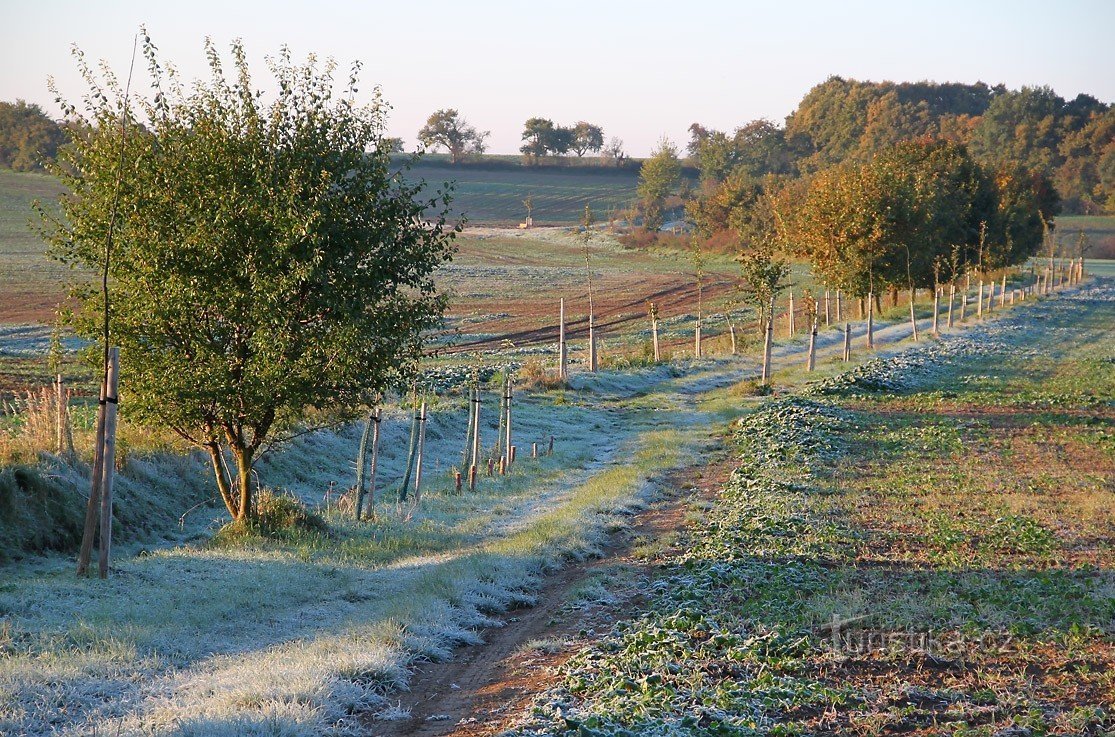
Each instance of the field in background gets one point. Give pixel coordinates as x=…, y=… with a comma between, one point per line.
x=1100, y=230
x=494, y=196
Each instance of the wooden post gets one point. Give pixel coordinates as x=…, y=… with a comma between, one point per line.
x=870, y=321
x=1013, y=292
x=768, y=340
x=421, y=451
x=827, y=320
x=502, y=465
x=811, y=356
x=964, y=305
x=697, y=339
x=475, y=435
x=491, y=467
x=913, y=318
x=472, y=477
x=550, y=451
x=563, y=350
x=979, y=302
x=654, y=331
x=59, y=415
x=92, y=508
x=466, y=454
x=507, y=434
x=457, y=481
x=112, y=400
x=514, y=448
x=990, y=295
x=592, y=359
x=847, y=342
x=952, y=296
x=839, y=306
x=370, y=425
x=790, y=315
x=936, y=309
x=375, y=462
x=1003, y=292
x=534, y=450
x=732, y=334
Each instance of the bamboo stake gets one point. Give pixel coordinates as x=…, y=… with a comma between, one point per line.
x=108, y=466
x=412, y=447
x=421, y=450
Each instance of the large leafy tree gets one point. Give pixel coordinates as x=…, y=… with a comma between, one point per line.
x=265, y=257
x=447, y=129
x=586, y=137
x=29, y=139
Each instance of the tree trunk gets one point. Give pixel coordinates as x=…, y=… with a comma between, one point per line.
x=412, y=449
x=768, y=341
x=421, y=450
x=361, y=456
x=243, y=457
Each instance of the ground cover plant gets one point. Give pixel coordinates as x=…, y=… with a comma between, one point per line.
x=922, y=546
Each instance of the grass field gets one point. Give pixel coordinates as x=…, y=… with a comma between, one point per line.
x=495, y=196
x=1099, y=229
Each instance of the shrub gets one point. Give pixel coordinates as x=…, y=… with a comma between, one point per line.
x=36, y=513
x=281, y=517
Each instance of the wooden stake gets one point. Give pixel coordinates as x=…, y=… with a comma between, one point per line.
x=790, y=315
x=952, y=296
x=514, y=449
x=502, y=465
x=59, y=415
x=847, y=342
x=826, y=307
x=551, y=449
x=913, y=317
x=936, y=309
x=421, y=450
x=491, y=467
x=654, y=331
x=697, y=339
x=472, y=477
x=1003, y=293
x=870, y=321
x=839, y=306
x=457, y=481
x=507, y=434
x=92, y=508
x=534, y=450
x=592, y=357
x=112, y=401
x=732, y=334
x=768, y=341
x=811, y=356
x=563, y=351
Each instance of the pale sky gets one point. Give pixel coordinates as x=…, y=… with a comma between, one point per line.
x=641, y=69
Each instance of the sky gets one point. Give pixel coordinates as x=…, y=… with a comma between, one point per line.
x=641, y=70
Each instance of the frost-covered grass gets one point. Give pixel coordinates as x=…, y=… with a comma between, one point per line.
x=303, y=636
x=951, y=501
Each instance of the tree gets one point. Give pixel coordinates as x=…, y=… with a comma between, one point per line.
x=447, y=129
x=587, y=137
x=536, y=134
x=29, y=139
x=613, y=151
x=265, y=259
x=658, y=177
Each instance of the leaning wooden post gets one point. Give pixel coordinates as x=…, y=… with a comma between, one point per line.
x=112, y=400
x=421, y=452
x=768, y=340
x=563, y=350
x=654, y=331
x=952, y=296
x=870, y=321
x=790, y=315
x=913, y=318
x=847, y=342
x=92, y=508
x=361, y=456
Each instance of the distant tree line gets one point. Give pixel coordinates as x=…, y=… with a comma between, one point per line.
x=1072, y=142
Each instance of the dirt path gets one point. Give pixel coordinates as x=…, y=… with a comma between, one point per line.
x=484, y=687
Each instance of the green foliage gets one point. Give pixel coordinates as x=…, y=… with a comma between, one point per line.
x=278, y=517
x=587, y=137
x=447, y=129
x=29, y=140
x=265, y=257
x=544, y=138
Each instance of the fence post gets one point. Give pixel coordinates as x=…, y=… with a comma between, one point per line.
x=870, y=321
x=421, y=451
x=847, y=342
x=790, y=314
x=92, y=508
x=563, y=354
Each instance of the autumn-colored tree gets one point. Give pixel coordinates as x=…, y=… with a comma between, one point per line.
x=29, y=140
x=658, y=178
